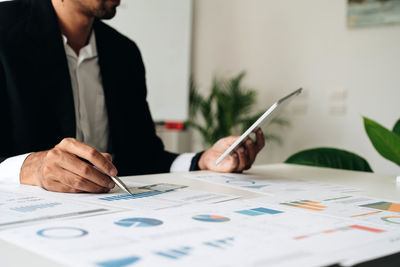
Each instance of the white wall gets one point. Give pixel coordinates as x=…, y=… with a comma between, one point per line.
x=286, y=44
x=162, y=30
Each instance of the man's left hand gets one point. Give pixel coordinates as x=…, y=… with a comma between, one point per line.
x=239, y=160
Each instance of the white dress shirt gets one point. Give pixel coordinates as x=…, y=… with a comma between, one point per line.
x=90, y=110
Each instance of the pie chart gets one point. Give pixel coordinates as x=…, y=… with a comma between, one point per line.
x=138, y=222
x=119, y=262
x=62, y=232
x=210, y=218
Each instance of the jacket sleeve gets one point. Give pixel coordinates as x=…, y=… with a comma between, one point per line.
x=160, y=158
x=11, y=15
x=4, y=116
x=155, y=158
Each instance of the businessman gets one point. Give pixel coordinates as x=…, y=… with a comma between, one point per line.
x=73, y=88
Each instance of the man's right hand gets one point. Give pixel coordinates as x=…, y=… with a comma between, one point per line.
x=60, y=169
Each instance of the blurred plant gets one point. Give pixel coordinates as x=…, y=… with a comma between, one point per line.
x=386, y=143
x=227, y=110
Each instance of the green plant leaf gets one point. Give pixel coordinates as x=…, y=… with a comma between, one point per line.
x=330, y=158
x=386, y=142
x=227, y=110
x=396, y=128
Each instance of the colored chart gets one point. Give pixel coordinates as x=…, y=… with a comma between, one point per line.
x=32, y=208
x=118, y=262
x=365, y=214
x=129, y=197
x=306, y=204
x=210, y=218
x=389, y=206
x=255, y=186
x=392, y=219
x=138, y=222
x=62, y=232
x=221, y=243
x=174, y=254
x=337, y=198
x=341, y=229
x=258, y=211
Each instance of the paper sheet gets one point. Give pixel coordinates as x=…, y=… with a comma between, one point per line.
x=355, y=207
x=271, y=186
x=297, y=223
x=154, y=200
x=236, y=233
x=18, y=208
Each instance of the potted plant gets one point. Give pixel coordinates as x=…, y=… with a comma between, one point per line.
x=227, y=110
x=385, y=141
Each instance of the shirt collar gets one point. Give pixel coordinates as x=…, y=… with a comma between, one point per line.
x=86, y=52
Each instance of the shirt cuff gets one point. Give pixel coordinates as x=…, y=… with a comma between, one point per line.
x=182, y=162
x=10, y=169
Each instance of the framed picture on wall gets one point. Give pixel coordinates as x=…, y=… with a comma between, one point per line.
x=364, y=13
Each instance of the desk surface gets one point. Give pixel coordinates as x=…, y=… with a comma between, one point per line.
x=381, y=186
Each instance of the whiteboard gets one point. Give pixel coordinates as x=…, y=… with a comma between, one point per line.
x=163, y=32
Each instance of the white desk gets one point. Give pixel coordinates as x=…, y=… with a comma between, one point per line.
x=382, y=186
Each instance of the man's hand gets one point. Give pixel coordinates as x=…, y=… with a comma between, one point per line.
x=240, y=159
x=59, y=169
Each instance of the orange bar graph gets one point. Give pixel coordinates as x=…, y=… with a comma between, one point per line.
x=365, y=228
x=306, y=204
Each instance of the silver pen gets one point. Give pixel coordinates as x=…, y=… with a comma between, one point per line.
x=115, y=179
x=121, y=184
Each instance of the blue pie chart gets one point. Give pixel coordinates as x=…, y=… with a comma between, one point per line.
x=119, y=262
x=138, y=222
x=210, y=218
x=62, y=232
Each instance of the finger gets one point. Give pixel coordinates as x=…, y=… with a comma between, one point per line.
x=251, y=153
x=84, y=151
x=80, y=168
x=231, y=163
x=107, y=156
x=260, y=140
x=230, y=139
x=242, y=159
x=80, y=183
x=224, y=143
x=53, y=185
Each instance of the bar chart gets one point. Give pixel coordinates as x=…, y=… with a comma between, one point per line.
x=32, y=208
x=174, y=254
x=129, y=197
x=306, y=204
x=258, y=211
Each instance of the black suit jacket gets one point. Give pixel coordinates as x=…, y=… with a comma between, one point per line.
x=36, y=101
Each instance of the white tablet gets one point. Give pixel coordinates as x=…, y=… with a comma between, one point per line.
x=264, y=120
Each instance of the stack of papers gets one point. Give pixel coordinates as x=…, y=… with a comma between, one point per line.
x=292, y=223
